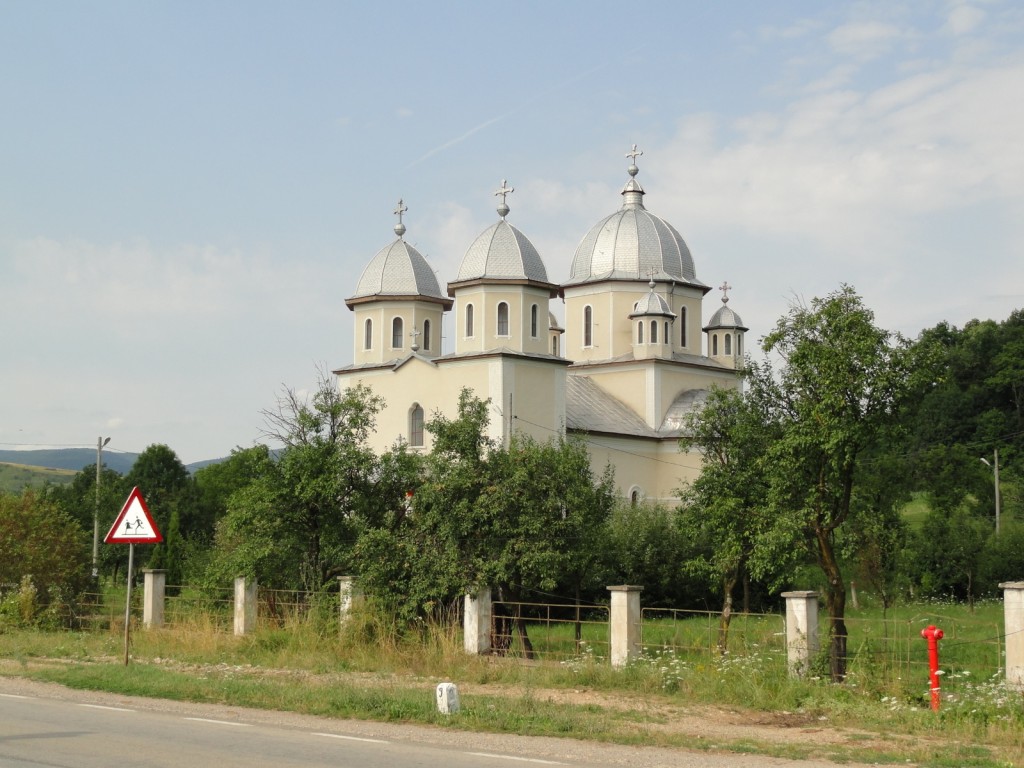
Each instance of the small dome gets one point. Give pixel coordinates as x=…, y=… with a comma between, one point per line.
x=725, y=318
x=502, y=252
x=633, y=244
x=652, y=304
x=398, y=270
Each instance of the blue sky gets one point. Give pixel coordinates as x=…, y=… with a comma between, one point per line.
x=189, y=191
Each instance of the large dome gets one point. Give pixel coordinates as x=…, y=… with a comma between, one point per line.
x=633, y=244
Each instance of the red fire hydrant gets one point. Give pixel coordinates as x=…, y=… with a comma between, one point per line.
x=933, y=634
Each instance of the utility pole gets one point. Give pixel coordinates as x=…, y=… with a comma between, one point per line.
x=100, y=442
x=995, y=469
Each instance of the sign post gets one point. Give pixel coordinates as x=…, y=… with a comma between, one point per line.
x=134, y=525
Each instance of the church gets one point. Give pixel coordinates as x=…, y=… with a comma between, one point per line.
x=633, y=358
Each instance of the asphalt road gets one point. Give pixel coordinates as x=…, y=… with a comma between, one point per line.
x=44, y=725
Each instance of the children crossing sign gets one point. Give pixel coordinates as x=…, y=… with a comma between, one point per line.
x=134, y=525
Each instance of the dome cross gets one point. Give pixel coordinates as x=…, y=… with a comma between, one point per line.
x=399, y=210
x=724, y=288
x=504, y=191
x=634, y=154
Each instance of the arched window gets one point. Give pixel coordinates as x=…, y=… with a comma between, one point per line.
x=368, y=334
x=416, y=426
x=635, y=496
x=588, y=326
x=503, y=319
x=533, y=321
x=728, y=343
x=739, y=345
x=554, y=345
x=396, y=333
x=426, y=335
x=682, y=326
x=469, y=321
x=640, y=332
x=654, y=331
x=714, y=344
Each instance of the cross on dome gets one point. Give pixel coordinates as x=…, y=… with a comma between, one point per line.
x=399, y=210
x=504, y=191
x=633, y=170
x=724, y=288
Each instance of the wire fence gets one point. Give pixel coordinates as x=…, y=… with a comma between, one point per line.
x=549, y=631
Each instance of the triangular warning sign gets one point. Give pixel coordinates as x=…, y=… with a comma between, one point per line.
x=134, y=525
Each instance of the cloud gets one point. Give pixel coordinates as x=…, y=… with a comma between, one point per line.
x=963, y=18
x=864, y=39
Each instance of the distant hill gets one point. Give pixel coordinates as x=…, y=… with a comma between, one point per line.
x=15, y=477
x=76, y=459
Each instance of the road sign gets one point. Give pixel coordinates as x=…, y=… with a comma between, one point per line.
x=134, y=525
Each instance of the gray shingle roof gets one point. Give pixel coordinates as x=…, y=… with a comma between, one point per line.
x=398, y=269
x=502, y=252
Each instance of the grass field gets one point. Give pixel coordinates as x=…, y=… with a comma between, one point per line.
x=15, y=477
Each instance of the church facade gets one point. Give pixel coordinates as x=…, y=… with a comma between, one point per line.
x=633, y=358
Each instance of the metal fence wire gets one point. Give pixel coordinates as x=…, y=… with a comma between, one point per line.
x=549, y=631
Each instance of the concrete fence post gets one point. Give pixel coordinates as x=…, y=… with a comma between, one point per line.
x=476, y=622
x=624, y=620
x=245, y=605
x=349, y=595
x=1013, y=629
x=801, y=630
x=154, y=586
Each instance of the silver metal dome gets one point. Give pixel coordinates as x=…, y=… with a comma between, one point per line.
x=502, y=252
x=652, y=304
x=633, y=244
x=725, y=318
x=398, y=270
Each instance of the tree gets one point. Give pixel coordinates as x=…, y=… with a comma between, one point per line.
x=40, y=541
x=296, y=524
x=514, y=518
x=841, y=382
x=726, y=506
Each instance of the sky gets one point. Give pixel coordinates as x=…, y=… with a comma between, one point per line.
x=189, y=191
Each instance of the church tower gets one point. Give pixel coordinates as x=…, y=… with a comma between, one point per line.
x=398, y=304
x=725, y=333
x=502, y=292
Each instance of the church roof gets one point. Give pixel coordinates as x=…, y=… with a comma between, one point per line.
x=502, y=252
x=652, y=304
x=398, y=270
x=725, y=317
x=588, y=408
x=633, y=244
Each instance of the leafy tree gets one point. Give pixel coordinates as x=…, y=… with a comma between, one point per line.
x=216, y=482
x=726, y=506
x=40, y=541
x=516, y=518
x=296, y=523
x=840, y=382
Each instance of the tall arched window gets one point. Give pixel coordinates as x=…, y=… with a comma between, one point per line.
x=588, y=326
x=682, y=326
x=654, y=331
x=739, y=344
x=640, y=332
x=368, y=334
x=426, y=335
x=554, y=345
x=503, y=319
x=714, y=344
x=416, y=426
x=533, y=321
x=666, y=335
x=469, y=320
x=396, y=333
x=728, y=343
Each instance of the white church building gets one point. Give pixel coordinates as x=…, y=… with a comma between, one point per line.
x=633, y=358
